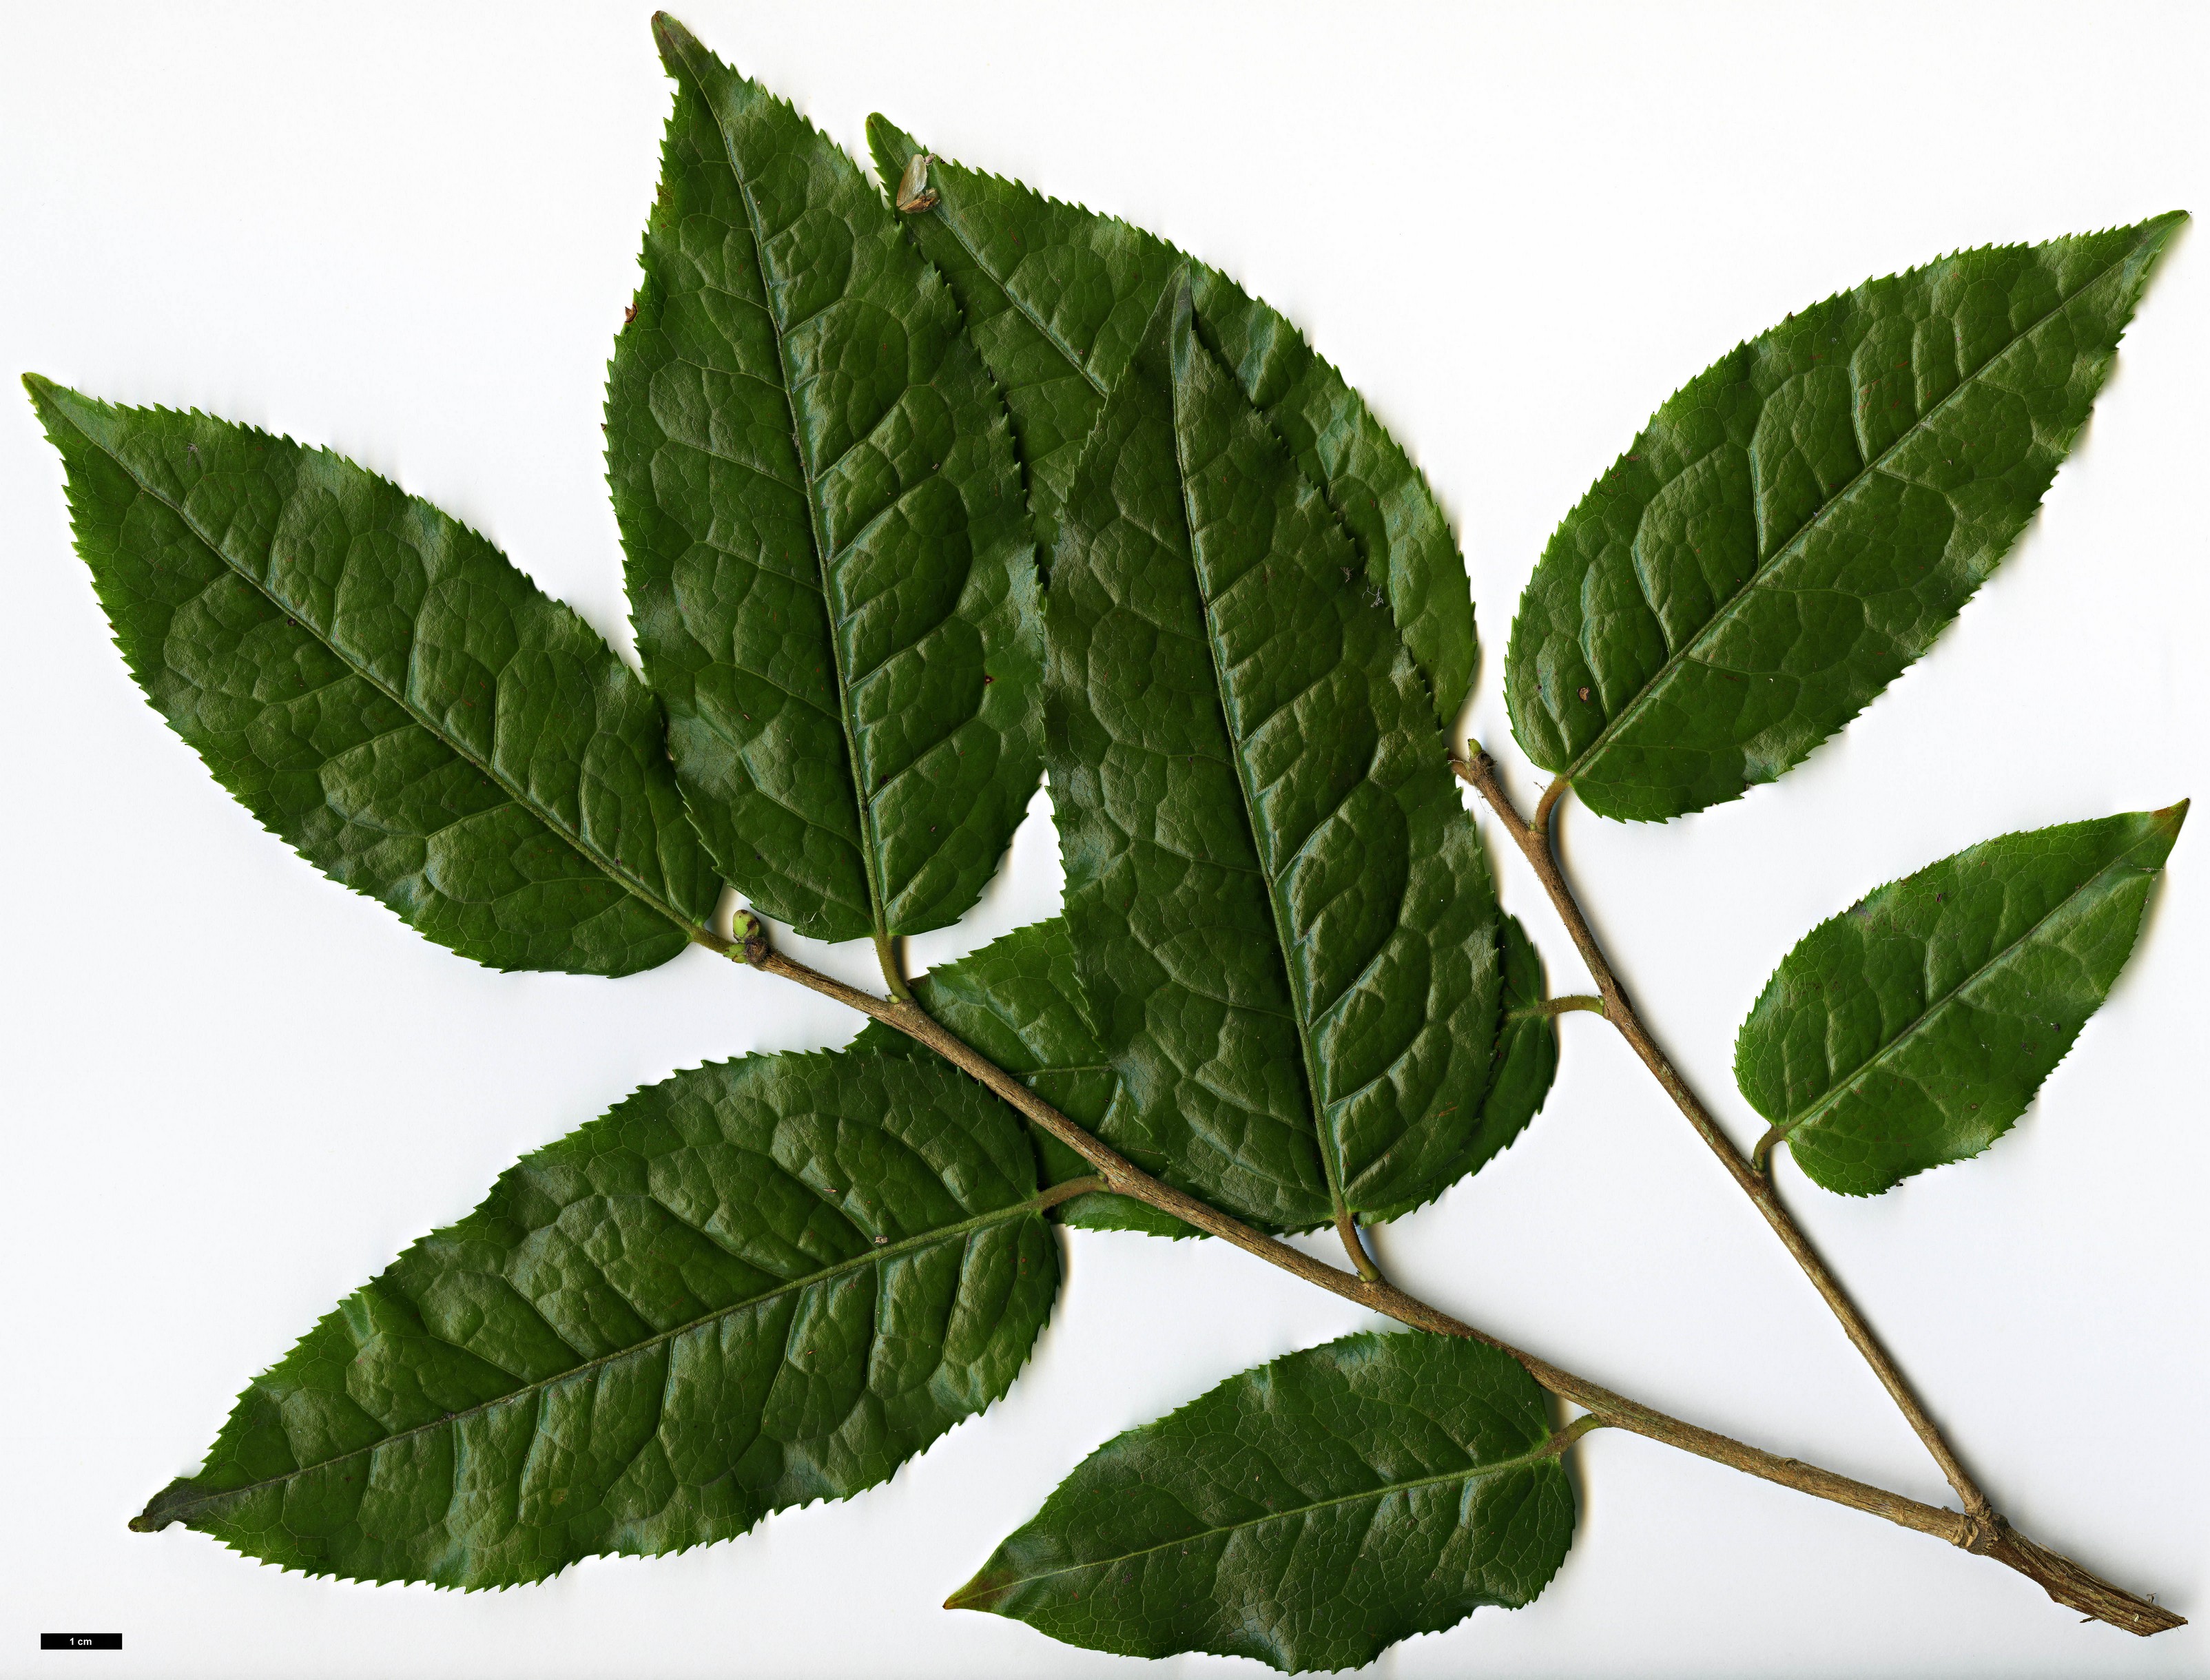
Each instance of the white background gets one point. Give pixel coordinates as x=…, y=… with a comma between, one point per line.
x=233, y=1091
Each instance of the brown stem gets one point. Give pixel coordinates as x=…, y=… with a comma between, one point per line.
x=1534, y=839
x=887, y=953
x=2064, y=1581
x=1346, y=1227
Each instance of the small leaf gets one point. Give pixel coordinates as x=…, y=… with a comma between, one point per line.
x=1283, y=918
x=1914, y=1028
x=1019, y=1001
x=381, y=688
x=759, y=1283
x=1797, y=525
x=828, y=548
x=1055, y=299
x=1309, y=1512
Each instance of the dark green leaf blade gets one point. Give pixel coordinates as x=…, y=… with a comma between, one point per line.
x=1055, y=299
x=1797, y=524
x=1018, y=1000
x=1309, y=1512
x=381, y=688
x=828, y=549
x=1527, y=1056
x=1284, y=920
x=759, y=1283
x=1914, y=1028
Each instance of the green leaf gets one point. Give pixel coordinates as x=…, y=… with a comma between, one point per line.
x=1309, y=1512
x=1796, y=524
x=1019, y=1001
x=759, y=1283
x=1526, y=1059
x=1914, y=1028
x=381, y=688
x=1056, y=298
x=828, y=549
x=1283, y=918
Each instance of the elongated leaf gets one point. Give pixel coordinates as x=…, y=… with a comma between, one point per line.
x=1914, y=1028
x=1799, y=522
x=1309, y=1512
x=1056, y=298
x=379, y=686
x=828, y=547
x=754, y=1285
x=1283, y=920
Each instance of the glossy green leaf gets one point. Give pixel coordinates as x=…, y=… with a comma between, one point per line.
x=379, y=686
x=1283, y=916
x=1056, y=298
x=1799, y=522
x=1914, y=1028
x=828, y=547
x=1019, y=1001
x=759, y=1283
x=1526, y=1059
x=1309, y=1512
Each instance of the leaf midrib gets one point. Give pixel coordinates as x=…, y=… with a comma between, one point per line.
x=1340, y=1205
x=1035, y=1203
x=1534, y=1455
x=1840, y=1087
x=1004, y=285
x=302, y=617
x=1647, y=693
x=871, y=835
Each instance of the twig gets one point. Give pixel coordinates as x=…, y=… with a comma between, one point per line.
x=2062, y=1579
x=1534, y=839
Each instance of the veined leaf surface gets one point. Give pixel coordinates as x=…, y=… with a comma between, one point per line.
x=1019, y=1002
x=1309, y=1512
x=1526, y=1060
x=1799, y=522
x=1914, y=1028
x=828, y=549
x=1283, y=919
x=756, y=1285
x=1056, y=298
x=383, y=689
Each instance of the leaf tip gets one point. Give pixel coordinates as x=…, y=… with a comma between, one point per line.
x=977, y=1594
x=2172, y=816
x=46, y=395
x=156, y=1516
x=676, y=45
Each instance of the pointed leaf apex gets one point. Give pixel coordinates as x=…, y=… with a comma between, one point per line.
x=891, y=148
x=976, y=1595
x=50, y=399
x=678, y=46
x=2172, y=816
x=58, y=404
